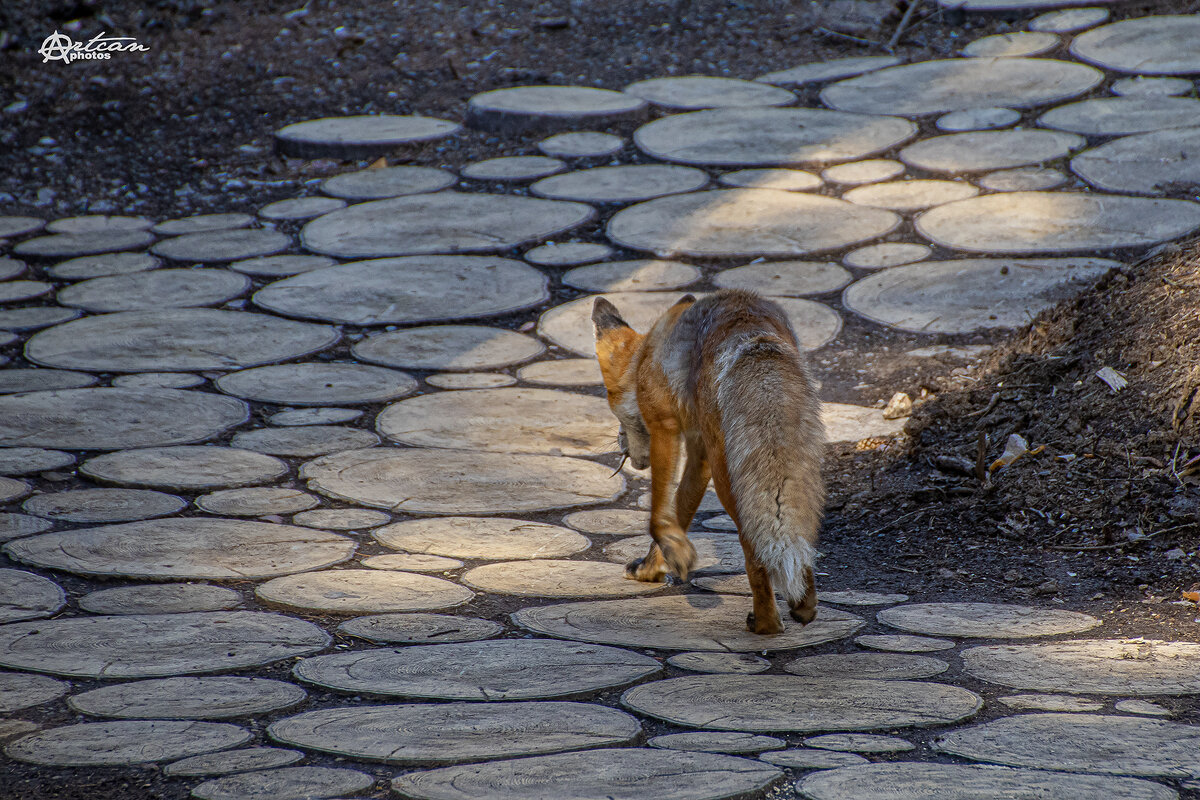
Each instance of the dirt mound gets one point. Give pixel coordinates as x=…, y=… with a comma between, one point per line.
x=1105, y=503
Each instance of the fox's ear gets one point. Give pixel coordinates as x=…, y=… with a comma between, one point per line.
x=606, y=316
x=687, y=299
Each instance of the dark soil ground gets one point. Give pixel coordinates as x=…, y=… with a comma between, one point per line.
x=188, y=125
x=1106, y=518
x=1109, y=509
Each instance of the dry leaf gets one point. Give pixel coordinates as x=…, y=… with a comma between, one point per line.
x=1115, y=380
x=1015, y=449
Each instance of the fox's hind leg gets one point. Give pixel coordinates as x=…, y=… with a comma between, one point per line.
x=764, y=619
x=693, y=484
x=805, y=611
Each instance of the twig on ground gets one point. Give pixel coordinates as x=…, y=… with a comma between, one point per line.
x=839, y=35
x=903, y=26
x=1115, y=545
x=992, y=401
x=1079, y=548
x=981, y=458
x=894, y=522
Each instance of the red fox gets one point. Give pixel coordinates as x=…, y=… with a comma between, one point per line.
x=726, y=377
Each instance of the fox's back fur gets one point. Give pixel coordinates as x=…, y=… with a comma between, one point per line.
x=740, y=381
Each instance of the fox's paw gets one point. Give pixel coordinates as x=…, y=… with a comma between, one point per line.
x=768, y=628
x=804, y=614
x=640, y=570
x=680, y=556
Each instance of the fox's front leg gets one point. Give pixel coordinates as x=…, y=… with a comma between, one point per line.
x=692, y=486
x=675, y=552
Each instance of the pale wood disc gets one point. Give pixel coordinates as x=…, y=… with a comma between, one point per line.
x=19, y=379
x=443, y=733
x=550, y=108
x=693, y=92
x=69, y=245
x=988, y=620
x=207, y=467
x=418, y=224
x=406, y=290
x=617, y=774
x=448, y=347
x=104, y=505
x=876, y=666
x=513, y=168
x=419, y=628
x=287, y=783
x=788, y=703
x=516, y=420
x=317, y=384
x=301, y=208
x=256, y=501
x=581, y=144
x=681, y=622
x=1094, y=743
x=95, y=266
x=93, y=744
x=377, y=184
x=363, y=136
x=557, y=578
x=965, y=295
x=110, y=419
x=412, y=562
x=176, y=340
x=193, y=548
x=230, y=762
x=160, y=288
x=24, y=595
x=485, y=538
x=203, y=223
x=160, y=598
x=157, y=645
x=1153, y=45
x=459, y=482
x=19, y=690
x=1056, y=222
x=717, y=742
x=470, y=380
x=924, y=781
x=497, y=669
x=859, y=743
x=901, y=643
x=220, y=246
x=304, y=441
x=720, y=663
x=751, y=137
x=221, y=697
x=1091, y=666
x=821, y=71
x=932, y=87
x=362, y=591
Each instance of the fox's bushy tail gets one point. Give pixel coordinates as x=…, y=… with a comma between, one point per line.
x=774, y=443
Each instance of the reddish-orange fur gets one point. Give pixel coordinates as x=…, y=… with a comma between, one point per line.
x=725, y=372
